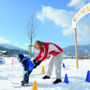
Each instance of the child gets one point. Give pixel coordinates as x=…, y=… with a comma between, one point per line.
x=28, y=67
x=46, y=49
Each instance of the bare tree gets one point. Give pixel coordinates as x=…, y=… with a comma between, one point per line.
x=31, y=33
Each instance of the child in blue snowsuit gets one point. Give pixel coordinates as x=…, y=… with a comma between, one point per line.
x=28, y=67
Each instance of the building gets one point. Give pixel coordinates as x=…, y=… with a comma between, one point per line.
x=4, y=54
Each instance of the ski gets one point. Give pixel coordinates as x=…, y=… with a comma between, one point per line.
x=20, y=86
x=17, y=85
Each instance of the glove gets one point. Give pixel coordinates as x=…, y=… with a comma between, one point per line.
x=37, y=64
x=34, y=61
x=24, y=72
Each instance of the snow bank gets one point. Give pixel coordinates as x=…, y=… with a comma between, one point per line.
x=76, y=76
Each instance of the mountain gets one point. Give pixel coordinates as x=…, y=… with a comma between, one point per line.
x=9, y=46
x=13, y=50
x=82, y=50
x=69, y=50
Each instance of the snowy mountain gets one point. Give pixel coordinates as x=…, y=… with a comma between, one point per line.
x=13, y=50
x=9, y=46
x=69, y=50
x=82, y=50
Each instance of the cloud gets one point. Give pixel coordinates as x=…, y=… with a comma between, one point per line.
x=26, y=44
x=3, y=40
x=77, y=3
x=63, y=18
x=60, y=17
x=83, y=29
x=74, y=2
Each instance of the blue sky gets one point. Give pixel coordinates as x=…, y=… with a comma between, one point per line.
x=53, y=18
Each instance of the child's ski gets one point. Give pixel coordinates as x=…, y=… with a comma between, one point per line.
x=17, y=85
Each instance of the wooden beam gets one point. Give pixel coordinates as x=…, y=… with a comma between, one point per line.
x=76, y=49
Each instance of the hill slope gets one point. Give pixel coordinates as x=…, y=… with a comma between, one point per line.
x=82, y=50
x=13, y=50
x=69, y=50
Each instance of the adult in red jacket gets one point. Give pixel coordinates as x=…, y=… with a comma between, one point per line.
x=46, y=49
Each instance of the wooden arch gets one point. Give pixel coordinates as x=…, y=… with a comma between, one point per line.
x=83, y=11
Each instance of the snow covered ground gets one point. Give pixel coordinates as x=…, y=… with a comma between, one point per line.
x=77, y=77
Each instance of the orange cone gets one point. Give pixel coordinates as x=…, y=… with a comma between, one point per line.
x=43, y=70
x=34, y=86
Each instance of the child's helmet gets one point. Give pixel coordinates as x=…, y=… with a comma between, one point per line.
x=21, y=56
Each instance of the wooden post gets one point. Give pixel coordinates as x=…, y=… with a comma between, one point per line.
x=76, y=49
x=33, y=52
x=12, y=62
x=29, y=51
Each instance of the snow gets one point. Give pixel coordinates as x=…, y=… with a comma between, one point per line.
x=3, y=51
x=77, y=77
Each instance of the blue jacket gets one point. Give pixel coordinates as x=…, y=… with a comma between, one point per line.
x=27, y=64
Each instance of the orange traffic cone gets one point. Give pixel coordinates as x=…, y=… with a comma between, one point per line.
x=43, y=70
x=34, y=86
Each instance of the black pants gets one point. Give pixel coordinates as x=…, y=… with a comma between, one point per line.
x=26, y=77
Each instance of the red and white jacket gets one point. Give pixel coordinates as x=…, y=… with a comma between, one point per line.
x=47, y=49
